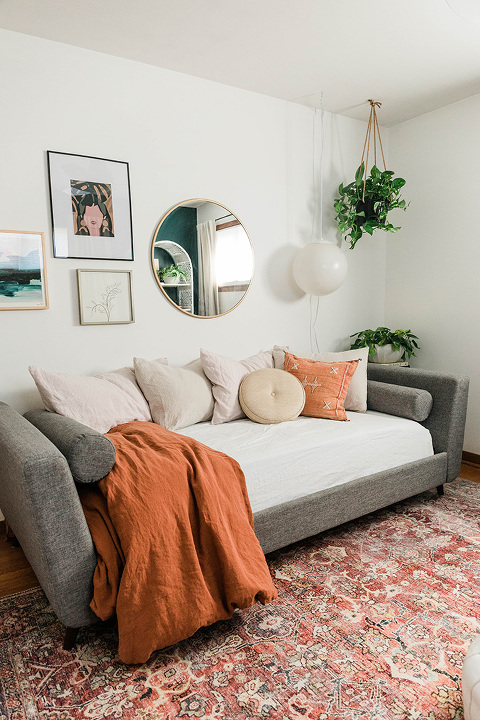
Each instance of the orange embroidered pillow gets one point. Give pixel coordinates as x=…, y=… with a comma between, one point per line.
x=325, y=384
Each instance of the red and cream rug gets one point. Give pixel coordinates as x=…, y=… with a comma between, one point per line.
x=372, y=623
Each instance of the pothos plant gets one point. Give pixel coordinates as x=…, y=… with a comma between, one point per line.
x=364, y=204
x=172, y=271
x=399, y=339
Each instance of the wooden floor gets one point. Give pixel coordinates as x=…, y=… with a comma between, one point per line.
x=17, y=575
x=15, y=572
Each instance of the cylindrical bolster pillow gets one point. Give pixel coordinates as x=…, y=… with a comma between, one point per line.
x=271, y=396
x=89, y=454
x=408, y=402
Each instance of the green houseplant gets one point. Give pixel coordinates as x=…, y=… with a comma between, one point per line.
x=172, y=274
x=364, y=204
x=403, y=341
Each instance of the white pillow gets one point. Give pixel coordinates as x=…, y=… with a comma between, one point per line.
x=96, y=402
x=356, y=398
x=226, y=374
x=177, y=396
x=124, y=378
x=271, y=396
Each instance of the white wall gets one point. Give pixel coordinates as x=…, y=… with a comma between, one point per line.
x=433, y=284
x=167, y=126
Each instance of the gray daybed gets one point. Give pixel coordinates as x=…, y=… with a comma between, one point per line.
x=39, y=498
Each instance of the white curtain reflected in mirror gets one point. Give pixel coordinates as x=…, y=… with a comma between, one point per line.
x=208, y=303
x=215, y=254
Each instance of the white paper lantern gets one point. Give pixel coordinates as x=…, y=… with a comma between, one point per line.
x=320, y=268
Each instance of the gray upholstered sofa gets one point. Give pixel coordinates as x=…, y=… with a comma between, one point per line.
x=39, y=498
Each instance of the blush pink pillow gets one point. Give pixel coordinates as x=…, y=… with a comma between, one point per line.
x=100, y=402
x=226, y=374
x=124, y=378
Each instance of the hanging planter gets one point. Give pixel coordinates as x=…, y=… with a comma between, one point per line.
x=364, y=204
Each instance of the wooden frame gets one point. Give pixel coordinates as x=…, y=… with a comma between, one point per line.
x=105, y=297
x=90, y=206
x=23, y=277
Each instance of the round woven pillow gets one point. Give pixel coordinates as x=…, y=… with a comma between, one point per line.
x=271, y=396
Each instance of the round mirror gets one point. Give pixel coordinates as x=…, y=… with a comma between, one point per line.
x=202, y=258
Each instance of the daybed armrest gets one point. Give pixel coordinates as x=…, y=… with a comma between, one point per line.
x=40, y=501
x=446, y=421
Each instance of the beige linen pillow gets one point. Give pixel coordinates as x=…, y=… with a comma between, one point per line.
x=177, y=396
x=96, y=402
x=270, y=396
x=124, y=378
x=226, y=374
x=356, y=398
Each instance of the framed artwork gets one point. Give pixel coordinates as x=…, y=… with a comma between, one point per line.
x=23, y=279
x=105, y=297
x=91, y=208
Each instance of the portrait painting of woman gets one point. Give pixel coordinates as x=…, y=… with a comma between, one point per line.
x=92, y=208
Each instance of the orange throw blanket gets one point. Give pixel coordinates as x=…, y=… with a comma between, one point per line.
x=173, y=530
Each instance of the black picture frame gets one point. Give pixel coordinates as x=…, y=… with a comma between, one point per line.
x=90, y=206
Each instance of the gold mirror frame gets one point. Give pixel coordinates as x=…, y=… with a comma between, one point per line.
x=181, y=257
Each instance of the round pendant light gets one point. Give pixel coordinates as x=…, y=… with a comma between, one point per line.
x=320, y=268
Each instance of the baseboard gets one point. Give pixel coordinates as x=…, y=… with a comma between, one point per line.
x=471, y=458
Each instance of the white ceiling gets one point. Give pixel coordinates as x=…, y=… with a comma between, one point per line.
x=412, y=55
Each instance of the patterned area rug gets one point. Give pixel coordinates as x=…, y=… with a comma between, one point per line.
x=372, y=622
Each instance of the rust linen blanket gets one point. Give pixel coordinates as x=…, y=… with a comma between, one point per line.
x=173, y=530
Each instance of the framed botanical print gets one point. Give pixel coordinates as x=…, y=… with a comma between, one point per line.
x=105, y=297
x=23, y=279
x=90, y=206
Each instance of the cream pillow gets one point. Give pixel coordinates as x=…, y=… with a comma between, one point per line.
x=270, y=396
x=356, y=398
x=177, y=396
x=96, y=402
x=124, y=378
x=226, y=374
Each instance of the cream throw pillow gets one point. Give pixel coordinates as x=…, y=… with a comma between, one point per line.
x=270, y=396
x=356, y=398
x=124, y=378
x=226, y=374
x=177, y=396
x=98, y=402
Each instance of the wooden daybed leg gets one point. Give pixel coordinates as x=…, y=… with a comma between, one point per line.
x=440, y=490
x=10, y=535
x=70, y=638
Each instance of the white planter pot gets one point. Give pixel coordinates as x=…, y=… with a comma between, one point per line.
x=170, y=280
x=386, y=354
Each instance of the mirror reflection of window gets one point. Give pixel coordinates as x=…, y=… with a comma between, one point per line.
x=233, y=257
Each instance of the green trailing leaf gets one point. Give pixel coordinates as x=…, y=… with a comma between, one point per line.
x=359, y=174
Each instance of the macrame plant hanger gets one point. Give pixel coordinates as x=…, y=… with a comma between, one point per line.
x=372, y=123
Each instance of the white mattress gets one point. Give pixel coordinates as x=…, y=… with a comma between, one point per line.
x=286, y=461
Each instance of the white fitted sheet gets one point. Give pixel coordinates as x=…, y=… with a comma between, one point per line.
x=292, y=459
